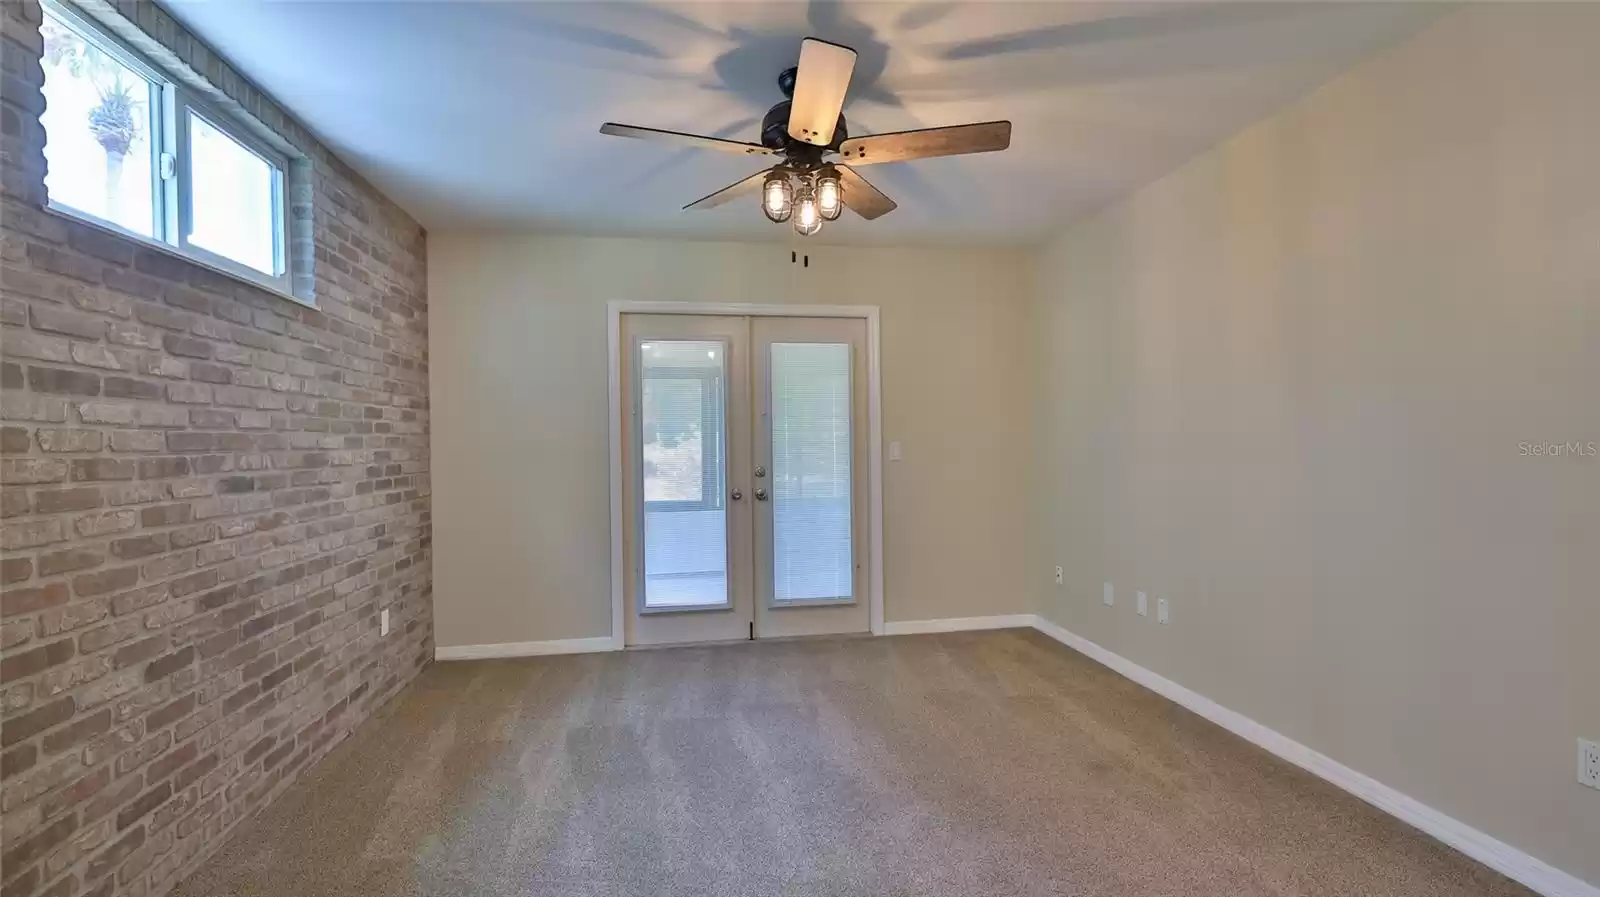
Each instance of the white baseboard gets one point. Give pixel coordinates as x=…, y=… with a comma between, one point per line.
x=526, y=649
x=1497, y=855
x=958, y=624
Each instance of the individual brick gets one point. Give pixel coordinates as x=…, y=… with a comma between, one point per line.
x=54, y=501
x=101, y=582
x=131, y=388
x=63, y=381
x=66, y=560
x=58, y=439
x=58, y=320
x=187, y=346
x=140, y=546
x=138, y=441
x=29, y=471
x=15, y=570
x=15, y=440
x=30, y=533
x=166, y=515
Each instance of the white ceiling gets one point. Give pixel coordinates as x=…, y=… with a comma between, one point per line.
x=486, y=114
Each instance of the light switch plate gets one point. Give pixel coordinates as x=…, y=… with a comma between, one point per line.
x=1161, y=610
x=894, y=451
x=1141, y=603
x=383, y=622
x=1108, y=594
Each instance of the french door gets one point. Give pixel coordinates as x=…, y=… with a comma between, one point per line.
x=744, y=481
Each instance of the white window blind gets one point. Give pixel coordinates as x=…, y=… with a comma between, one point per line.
x=811, y=472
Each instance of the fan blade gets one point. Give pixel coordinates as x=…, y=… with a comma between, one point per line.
x=902, y=146
x=681, y=139
x=819, y=88
x=863, y=198
x=749, y=185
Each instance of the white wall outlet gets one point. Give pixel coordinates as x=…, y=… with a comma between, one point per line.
x=1108, y=594
x=1589, y=763
x=1161, y=610
x=1141, y=603
x=1059, y=579
x=383, y=621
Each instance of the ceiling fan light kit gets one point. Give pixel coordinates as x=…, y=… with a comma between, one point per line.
x=807, y=129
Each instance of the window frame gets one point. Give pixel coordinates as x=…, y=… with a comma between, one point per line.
x=172, y=198
x=184, y=105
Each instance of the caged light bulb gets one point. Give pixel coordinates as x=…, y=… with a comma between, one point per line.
x=777, y=197
x=830, y=194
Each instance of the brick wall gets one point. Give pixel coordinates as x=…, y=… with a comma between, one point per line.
x=209, y=494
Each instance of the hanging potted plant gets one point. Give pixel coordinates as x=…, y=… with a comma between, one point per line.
x=115, y=127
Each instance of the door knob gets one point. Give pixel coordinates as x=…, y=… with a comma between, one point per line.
x=736, y=495
x=761, y=495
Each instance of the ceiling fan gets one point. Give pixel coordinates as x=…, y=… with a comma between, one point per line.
x=807, y=130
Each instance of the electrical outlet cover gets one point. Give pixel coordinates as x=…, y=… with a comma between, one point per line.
x=1108, y=594
x=1161, y=610
x=1142, y=604
x=1058, y=576
x=1589, y=763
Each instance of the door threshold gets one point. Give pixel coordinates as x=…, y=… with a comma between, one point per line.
x=725, y=643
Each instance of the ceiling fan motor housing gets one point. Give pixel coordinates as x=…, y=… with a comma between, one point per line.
x=775, y=136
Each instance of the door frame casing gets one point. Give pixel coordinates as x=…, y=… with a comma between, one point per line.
x=614, y=312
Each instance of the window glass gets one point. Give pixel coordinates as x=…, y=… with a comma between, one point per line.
x=234, y=198
x=97, y=131
x=682, y=428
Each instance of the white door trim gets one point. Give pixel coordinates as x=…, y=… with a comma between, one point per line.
x=614, y=312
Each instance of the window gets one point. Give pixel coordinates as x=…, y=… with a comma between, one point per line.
x=683, y=426
x=129, y=148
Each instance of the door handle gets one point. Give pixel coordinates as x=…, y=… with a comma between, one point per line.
x=736, y=495
x=761, y=495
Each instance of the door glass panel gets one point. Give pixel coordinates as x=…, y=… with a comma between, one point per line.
x=810, y=405
x=683, y=456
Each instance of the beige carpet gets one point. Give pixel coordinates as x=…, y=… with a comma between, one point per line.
x=966, y=764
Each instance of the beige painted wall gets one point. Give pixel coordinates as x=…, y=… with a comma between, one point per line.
x=1286, y=386
x=518, y=366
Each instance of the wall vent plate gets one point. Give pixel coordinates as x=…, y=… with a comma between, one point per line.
x=1589, y=763
x=1107, y=594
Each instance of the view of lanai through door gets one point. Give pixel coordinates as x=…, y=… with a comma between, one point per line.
x=744, y=477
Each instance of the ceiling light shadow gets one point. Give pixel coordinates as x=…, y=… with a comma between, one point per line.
x=1169, y=41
